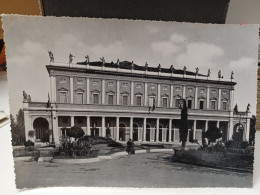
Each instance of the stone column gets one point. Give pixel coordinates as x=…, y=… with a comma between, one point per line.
x=131, y=127
x=103, y=128
x=171, y=98
x=88, y=125
x=231, y=94
x=53, y=88
x=207, y=98
x=27, y=125
x=72, y=121
x=218, y=124
x=230, y=128
x=117, y=92
x=55, y=128
x=88, y=94
x=159, y=95
x=117, y=128
x=219, y=99
x=247, y=129
x=206, y=125
x=157, y=129
x=184, y=92
x=194, y=129
x=103, y=92
x=132, y=93
x=144, y=130
x=145, y=94
x=170, y=130
x=196, y=98
x=71, y=90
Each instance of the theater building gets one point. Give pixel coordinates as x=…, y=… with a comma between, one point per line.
x=123, y=100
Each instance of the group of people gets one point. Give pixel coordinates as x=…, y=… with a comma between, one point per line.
x=130, y=147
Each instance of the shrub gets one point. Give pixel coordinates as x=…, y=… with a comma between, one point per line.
x=115, y=144
x=29, y=145
x=31, y=133
x=213, y=133
x=75, y=132
x=74, y=148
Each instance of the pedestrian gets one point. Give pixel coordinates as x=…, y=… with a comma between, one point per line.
x=129, y=146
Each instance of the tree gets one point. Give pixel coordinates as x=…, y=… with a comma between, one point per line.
x=213, y=133
x=252, y=130
x=18, y=128
x=184, y=124
x=75, y=132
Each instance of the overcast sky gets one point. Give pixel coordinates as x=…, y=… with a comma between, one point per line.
x=218, y=47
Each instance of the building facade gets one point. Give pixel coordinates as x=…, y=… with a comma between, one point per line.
x=123, y=100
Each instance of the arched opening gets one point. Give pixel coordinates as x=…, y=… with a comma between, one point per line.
x=148, y=132
x=135, y=132
x=238, y=132
x=160, y=132
x=41, y=127
x=122, y=128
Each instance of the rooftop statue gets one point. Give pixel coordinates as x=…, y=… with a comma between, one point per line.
x=132, y=65
x=197, y=71
x=232, y=75
x=220, y=75
x=51, y=56
x=172, y=68
x=159, y=67
x=87, y=59
x=71, y=58
x=208, y=75
x=146, y=65
x=184, y=69
x=103, y=61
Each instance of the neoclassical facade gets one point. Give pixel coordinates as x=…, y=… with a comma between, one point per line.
x=123, y=100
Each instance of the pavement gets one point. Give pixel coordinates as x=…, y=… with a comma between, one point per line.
x=139, y=170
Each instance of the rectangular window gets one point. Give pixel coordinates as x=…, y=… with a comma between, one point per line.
x=165, y=102
x=224, y=105
x=125, y=100
x=177, y=103
x=63, y=97
x=189, y=103
x=96, y=98
x=79, y=98
x=139, y=100
x=201, y=104
x=213, y=105
x=110, y=99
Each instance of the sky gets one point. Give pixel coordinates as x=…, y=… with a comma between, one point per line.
x=218, y=47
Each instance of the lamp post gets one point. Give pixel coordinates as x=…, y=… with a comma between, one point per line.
x=50, y=109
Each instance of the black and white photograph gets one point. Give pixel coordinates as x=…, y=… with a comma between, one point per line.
x=131, y=103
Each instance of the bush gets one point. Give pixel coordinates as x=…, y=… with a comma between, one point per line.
x=29, y=145
x=74, y=148
x=31, y=133
x=75, y=132
x=115, y=144
x=234, y=144
x=213, y=133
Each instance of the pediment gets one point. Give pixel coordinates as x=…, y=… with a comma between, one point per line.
x=111, y=92
x=124, y=92
x=79, y=90
x=62, y=89
x=95, y=91
x=151, y=94
x=138, y=93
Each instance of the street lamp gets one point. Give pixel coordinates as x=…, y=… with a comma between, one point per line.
x=50, y=108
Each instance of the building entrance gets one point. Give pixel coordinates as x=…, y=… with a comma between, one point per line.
x=41, y=127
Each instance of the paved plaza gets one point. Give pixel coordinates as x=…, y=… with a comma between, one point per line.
x=139, y=170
